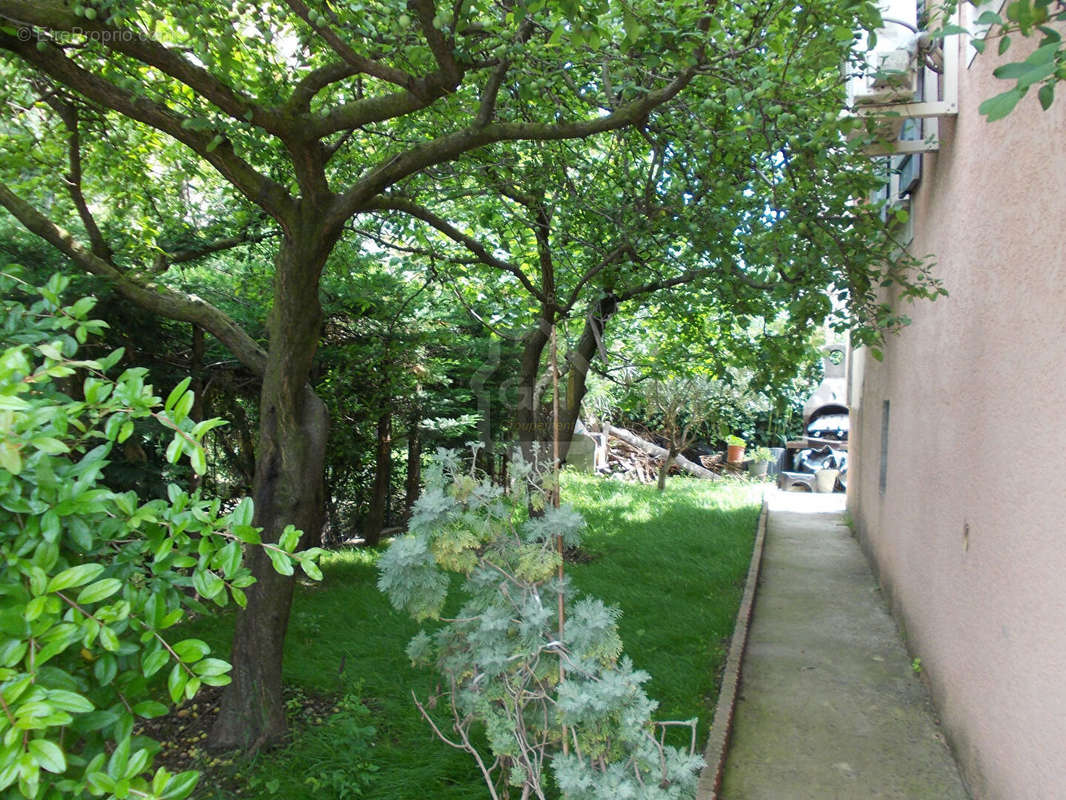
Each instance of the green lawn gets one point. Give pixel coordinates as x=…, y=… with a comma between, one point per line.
x=674, y=563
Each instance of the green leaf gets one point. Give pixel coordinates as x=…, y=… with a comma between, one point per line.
x=8, y=774
x=150, y=709
x=152, y=662
x=1013, y=70
x=989, y=18
x=243, y=513
x=174, y=449
x=207, y=583
x=48, y=755
x=176, y=682
x=246, y=533
x=183, y=406
x=198, y=460
x=180, y=786
x=101, y=782
x=138, y=763
x=978, y=44
x=49, y=445
x=126, y=502
x=281, y=561
x=98, y=591
x=200, y=428
x=1035, y=75
x=1050, y=34
x=108, y=639
x=125, y=431
x=228, y=559
x=1046, y=95
x=69, y=701
x=105, y=669
x=10, y=459
x=210, y=667
x=74, y=576
x=191, y=649
x=1044, y=54
x=1004, y=44
x=13, y=691
x=172, y=618
x=311, y=569
x=116, y=765
x=34, y=608
x=1001, y=105
x=290, y=538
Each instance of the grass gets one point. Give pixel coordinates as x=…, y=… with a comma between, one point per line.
x=674, y=563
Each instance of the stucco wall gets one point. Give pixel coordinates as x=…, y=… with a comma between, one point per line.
x=969, y=535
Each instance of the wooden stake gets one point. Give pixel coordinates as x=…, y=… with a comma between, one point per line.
x=555, y=504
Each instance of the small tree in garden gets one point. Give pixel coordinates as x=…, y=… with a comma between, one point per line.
x=93, y=579
x=540, y=669
x=683, y=405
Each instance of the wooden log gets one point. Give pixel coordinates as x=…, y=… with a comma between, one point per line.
x=657, y=452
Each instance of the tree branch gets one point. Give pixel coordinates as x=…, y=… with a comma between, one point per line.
x=613, y=256
x=369, y=110
x=141, y=47
x=355, y=61
x=216, y=246
x=150, y=296
x=69, y=115
x=450, y=146
x=259, y=189
x=314, y=82
x=491, y=92
x=443, y=50
x=654, y=286
x=469, y=242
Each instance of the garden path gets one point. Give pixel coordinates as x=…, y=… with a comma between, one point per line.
x=830, y=705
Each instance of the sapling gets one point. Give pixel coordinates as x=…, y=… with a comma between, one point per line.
x=502, y=657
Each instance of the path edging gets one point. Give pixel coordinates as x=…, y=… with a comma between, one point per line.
x=718, y=740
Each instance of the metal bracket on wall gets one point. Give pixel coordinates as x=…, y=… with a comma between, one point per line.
x=937, y=90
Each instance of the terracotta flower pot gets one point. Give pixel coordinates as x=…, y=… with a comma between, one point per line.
x=734, y=453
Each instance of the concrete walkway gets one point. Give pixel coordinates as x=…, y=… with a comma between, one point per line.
x=829, y=707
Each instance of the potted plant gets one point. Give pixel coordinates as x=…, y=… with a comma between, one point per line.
x=760, y=461
x=734, y=449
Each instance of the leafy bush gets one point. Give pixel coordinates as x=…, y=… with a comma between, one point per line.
x=546, y=686
x=93, y=578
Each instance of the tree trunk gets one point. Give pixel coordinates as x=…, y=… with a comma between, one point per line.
x=667, y=462
x=413, y=485
x=288, y=489
x=375, y=520
x=534, y=425
x=531, y=428
x=579, y=360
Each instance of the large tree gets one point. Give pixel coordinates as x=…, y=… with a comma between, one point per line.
x=738, y=198
x=293, y=116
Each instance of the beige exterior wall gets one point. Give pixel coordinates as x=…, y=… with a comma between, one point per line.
x=969, y=534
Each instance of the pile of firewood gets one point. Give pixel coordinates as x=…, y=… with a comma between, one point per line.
x=634, y=458
x=631, y=464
